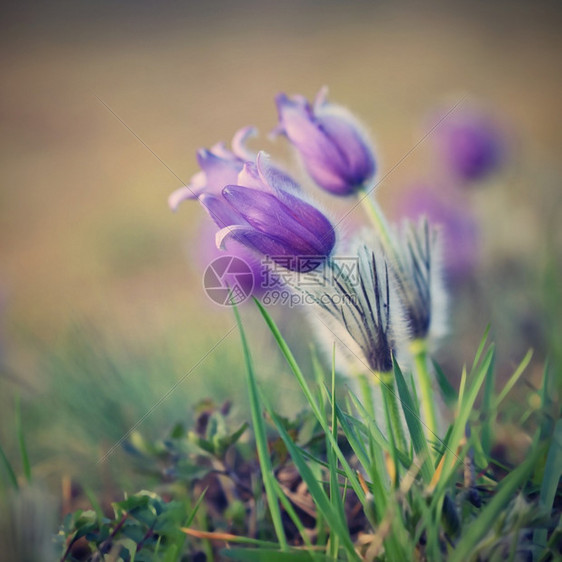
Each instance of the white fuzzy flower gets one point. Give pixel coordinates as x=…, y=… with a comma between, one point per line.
x=358, y=307
x=419, y=280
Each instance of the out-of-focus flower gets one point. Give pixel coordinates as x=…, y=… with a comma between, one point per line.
x=262, y=212
x=419, y=280
x=206, y=251
x=334, y=148
x=459, y=228
x=219, y=167
x=471, y=145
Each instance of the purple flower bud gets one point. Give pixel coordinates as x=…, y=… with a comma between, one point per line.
x=219, y=167
x=471, y=144
x=264, y=215
x=334, y=148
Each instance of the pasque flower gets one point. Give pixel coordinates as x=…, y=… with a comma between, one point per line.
x=219, y=167
x=471, y=145
x=263, y=212
x=419, y=282
x=332, y=144
x=360, y=307
x=459, y=228
x=205, y=251
x=255, y=205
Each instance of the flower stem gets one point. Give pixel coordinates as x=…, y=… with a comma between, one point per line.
x=390, y=398
x=419, y=352
x=375, y=213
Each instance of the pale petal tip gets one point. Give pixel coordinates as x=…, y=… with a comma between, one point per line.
x=224, y=233
x=179, y=195
x=321, y=97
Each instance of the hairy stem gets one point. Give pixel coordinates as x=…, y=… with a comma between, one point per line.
x=419, y=352
x=390, y=398
x=375, y=213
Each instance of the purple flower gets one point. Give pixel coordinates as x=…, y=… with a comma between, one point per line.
x=471, y=144
x=459, y=228
x=219, y=167
x=206, y=251
x=262, y=212
x=336, y=152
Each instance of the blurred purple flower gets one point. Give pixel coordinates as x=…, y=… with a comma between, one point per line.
x=262, y=212
x=459, y=227
x=334, y=148
x=206, y=251
x=471, y=145
x=219, y=167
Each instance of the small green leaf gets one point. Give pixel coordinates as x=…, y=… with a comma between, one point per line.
x=200, y=442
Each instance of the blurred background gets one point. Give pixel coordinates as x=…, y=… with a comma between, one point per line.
x=102, y=108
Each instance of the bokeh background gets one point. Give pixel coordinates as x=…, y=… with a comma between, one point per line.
x=102, y=306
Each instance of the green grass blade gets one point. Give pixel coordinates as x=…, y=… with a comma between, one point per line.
x=415, y=428
x=94, y=502
x=489, y=514
x=288, y=506
x=317, y=411
x=488, y=411
x=290, y=360
x=372, y=429
x=356, y=444
x=546, y=393
x=551, y=478
x=195, y=508
x=513, y=379
x=374, y=466
x=467, y=398
x=448, y=393
x=335, y=495
x=481, y=347
x=318, y=494
x=8, y=466
x=261, y=440
x=26, y=465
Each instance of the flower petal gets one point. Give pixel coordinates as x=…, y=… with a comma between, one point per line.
x=220, y=211
x=344, y=130
x=218, y=171
x=266, y=245
x=181, y=194
x=267, y=214
x=239, y=143
x=273, y=176
x=335, y=149
x=306, y=134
